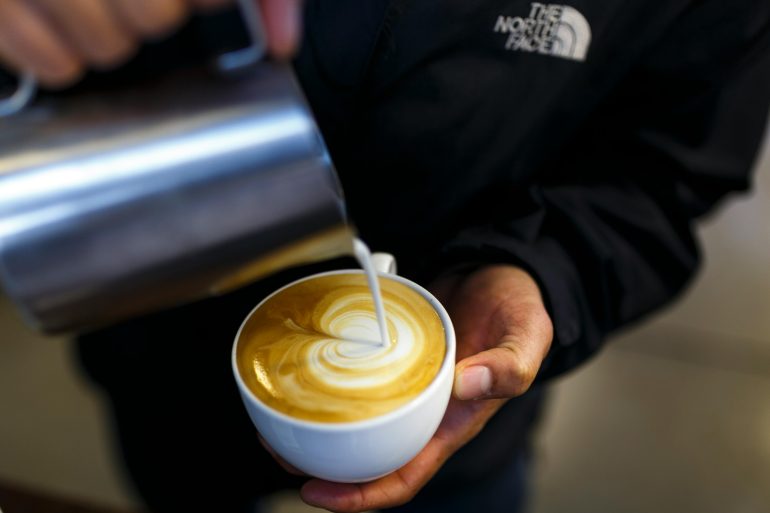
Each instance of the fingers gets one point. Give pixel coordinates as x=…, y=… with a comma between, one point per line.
x=503, y=332
x=392, y=490
x=462, y=421
x=28, y=43
x=150, y=18
x=283, y=22
x=57, y=40
x=90, y=29
x=508, y=369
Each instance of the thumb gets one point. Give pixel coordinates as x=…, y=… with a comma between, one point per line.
x=508, y=369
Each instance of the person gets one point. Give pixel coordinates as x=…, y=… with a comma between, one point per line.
x=542, y=166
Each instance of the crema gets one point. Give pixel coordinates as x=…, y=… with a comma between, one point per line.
x=314, y=350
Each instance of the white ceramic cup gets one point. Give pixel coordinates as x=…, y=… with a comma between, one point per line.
x=359, y=451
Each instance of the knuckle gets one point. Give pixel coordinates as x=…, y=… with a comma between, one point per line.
x=526, y=374
x=406, y=491
x=154, y=27
x=109, y=56
x=60, y=78
x=520, y=372
x=163, y=18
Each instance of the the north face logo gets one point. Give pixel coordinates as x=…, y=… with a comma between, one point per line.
x=550, y=29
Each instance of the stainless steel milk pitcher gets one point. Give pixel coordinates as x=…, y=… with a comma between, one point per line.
x=127, y=201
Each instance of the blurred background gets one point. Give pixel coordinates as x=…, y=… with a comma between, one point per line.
x=673, y=416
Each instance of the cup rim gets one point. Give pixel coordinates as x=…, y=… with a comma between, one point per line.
x=447, y=365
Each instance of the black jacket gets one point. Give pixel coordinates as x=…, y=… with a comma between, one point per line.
x=466, y=132
x=461, y=138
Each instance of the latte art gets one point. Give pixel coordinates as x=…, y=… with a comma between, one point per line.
x=313, y=350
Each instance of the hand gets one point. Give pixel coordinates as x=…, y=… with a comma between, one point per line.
x=503, y=333
x=57, y=40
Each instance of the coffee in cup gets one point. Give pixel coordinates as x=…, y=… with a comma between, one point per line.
x=313, y=350
x=324, y=390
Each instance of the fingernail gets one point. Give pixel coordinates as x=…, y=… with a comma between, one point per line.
x=473, y=383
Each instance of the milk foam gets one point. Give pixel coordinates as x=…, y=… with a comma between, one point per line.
x=355, y=359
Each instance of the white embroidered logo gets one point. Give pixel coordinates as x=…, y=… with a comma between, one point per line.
x=550, y=29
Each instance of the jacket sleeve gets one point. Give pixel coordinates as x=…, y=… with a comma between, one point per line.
x=609, y=234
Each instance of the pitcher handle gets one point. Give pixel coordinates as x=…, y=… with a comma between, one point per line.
x=253, y=53
x=21, y=97
x=384, y=263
